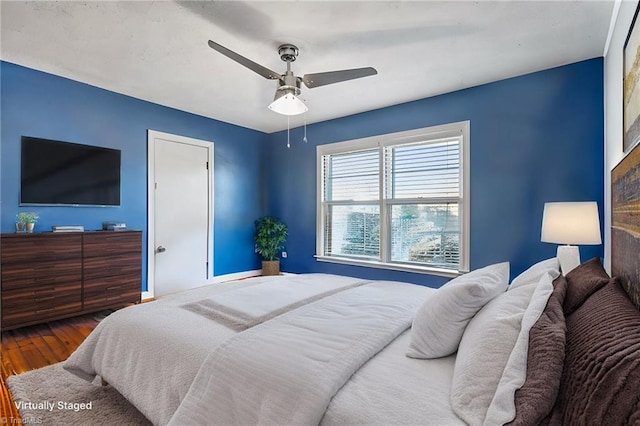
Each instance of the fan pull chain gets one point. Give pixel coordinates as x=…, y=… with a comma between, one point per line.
x=288, y=139
x=304, y=139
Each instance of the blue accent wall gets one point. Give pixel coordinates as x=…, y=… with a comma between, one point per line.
x=534, y=138
x=38, y=104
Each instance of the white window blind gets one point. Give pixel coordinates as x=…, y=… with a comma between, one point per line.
x=352, y=176
x=423, y=169
x=396, y=200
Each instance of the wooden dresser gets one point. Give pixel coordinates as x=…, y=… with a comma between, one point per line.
x=47, y=276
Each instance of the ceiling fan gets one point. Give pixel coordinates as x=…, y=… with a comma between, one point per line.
x=286, y=101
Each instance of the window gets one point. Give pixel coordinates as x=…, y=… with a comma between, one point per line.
x=397, y=201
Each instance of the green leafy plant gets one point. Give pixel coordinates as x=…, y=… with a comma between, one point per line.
x=27, y=217
x=270, y=235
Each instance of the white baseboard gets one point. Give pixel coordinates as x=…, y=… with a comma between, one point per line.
x=216, y=280
x=234, y=276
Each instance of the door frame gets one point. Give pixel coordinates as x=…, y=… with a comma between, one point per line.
x=152, y=135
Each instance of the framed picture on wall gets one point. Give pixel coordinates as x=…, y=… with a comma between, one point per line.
x=631, y=86
x=625, y=223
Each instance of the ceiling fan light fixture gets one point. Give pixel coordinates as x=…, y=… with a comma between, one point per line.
x=286, y=101
x=288, y=104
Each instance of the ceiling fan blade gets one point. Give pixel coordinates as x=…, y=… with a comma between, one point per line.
x=324, y=78
x=257, y=68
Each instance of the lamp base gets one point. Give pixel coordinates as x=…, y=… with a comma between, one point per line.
x=569, y=258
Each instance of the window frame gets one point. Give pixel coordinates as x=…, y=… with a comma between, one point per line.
x=459, y=129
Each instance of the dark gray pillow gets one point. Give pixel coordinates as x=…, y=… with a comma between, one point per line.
x=601, y=378
x=582, y=282
x=545, y=359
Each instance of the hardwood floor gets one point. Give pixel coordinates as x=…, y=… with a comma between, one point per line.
x=37, y=346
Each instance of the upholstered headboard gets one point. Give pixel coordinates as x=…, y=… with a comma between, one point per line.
x=625, y=224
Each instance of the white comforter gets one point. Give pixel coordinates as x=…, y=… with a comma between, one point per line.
x=152, y=353
x=286, y=370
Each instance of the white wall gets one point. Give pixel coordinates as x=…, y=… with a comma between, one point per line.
x=621, y=22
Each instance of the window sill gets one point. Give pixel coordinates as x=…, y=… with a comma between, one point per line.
x=392, y=266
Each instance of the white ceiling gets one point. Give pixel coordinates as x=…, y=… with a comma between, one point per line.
x=157, y=50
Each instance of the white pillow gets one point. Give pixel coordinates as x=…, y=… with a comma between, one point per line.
x=484, y=351
x=537, y=271
x=439, y=323
x=503, y=409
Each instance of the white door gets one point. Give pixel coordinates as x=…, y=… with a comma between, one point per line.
x=180, y=241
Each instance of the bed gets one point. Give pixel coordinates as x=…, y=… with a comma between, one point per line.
x=327, y=349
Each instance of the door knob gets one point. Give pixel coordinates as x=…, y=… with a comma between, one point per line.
x=160, y=249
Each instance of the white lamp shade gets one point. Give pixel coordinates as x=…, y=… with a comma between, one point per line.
x=288, y=104
x=571, y=223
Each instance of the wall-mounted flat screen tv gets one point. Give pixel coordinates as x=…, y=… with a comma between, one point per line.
x=63, y=173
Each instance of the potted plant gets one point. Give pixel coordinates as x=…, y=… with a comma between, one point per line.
x=25, y=221
x=270, y=235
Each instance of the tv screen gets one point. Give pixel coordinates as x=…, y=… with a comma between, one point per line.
x=63, y=173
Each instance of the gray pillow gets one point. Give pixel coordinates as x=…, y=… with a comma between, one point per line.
x=503, y=408
x=537, y=271
x=440, y=322
x=484, y=352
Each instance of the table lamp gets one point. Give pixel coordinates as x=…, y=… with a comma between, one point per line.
x=570, y=223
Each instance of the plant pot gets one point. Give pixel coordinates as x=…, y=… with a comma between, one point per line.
x=270, y=267
x=30, y=227
x=20, y=227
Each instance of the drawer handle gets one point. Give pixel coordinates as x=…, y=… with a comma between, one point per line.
x=118, y=287
x=42, y=299
x=43, y=293
x=45, y=310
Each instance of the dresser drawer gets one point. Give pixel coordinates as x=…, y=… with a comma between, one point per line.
x=36, y=273
x=131, y=281
x=116, y=293
x=53, y=308
x=40, y=297
x=109, y=266
x=108, y=243
x=111, y=301
x=37, y=248
x=112, y=291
